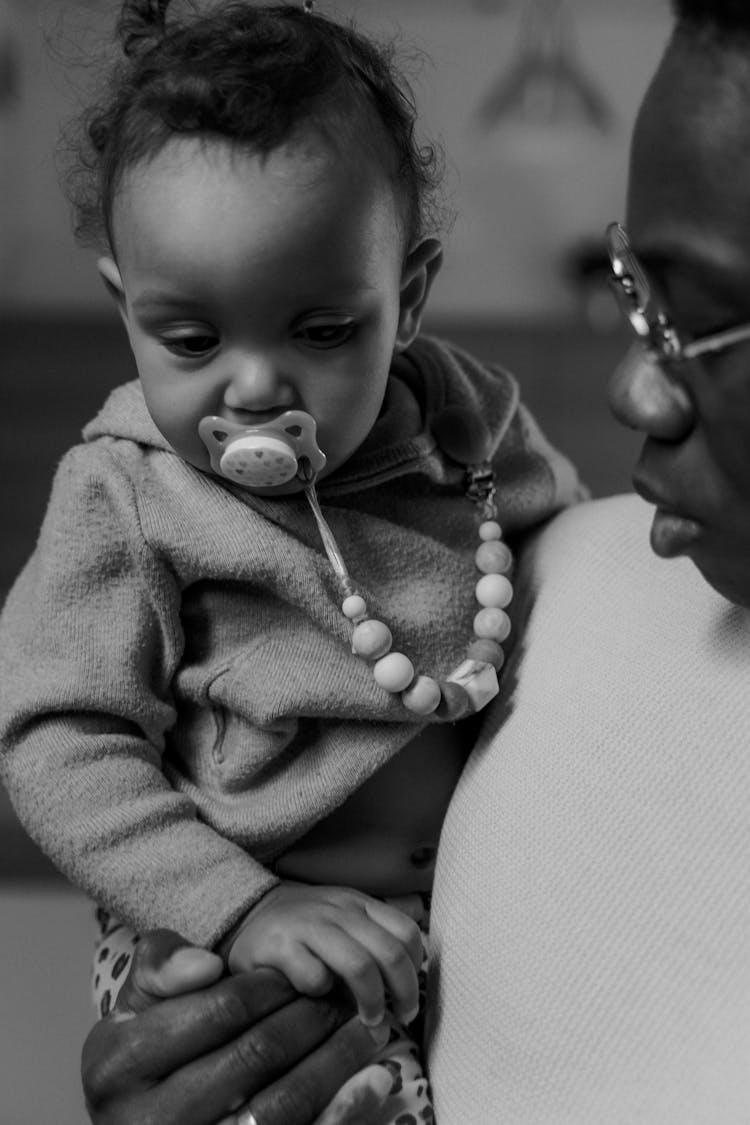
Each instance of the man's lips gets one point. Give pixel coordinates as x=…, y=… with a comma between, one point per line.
x=652, y=494
x=672, y=533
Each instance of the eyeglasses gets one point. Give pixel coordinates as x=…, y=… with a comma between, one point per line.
x=647, y=319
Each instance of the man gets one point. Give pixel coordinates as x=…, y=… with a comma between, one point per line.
x=592, y=903
x=618, y=987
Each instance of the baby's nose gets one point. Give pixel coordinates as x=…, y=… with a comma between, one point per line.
x=644, y=397
x=257, y=383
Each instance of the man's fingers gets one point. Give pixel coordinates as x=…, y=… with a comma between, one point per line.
x=306, y=1092
x=164, y=965
x=170, y=1035
x=261, y=1058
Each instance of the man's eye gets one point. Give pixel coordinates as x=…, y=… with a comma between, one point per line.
x=326, y=335
x=191, y=346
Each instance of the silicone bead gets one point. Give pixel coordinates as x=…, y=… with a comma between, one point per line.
x=371, y=639
x=492, y=623
x=494, y=590
x=488, y=651
x=490, y=529
x=493, y=557
x=394, y=672
x=423, y=696
x=454, y=701
x=354, y=606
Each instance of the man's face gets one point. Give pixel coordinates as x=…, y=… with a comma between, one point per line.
x=688, y=219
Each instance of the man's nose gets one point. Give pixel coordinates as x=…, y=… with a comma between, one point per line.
x=256, y=383
x=643, y=396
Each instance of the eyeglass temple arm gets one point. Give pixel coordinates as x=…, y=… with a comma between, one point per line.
x=716, y=343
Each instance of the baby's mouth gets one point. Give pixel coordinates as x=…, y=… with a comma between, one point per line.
x=254, y=417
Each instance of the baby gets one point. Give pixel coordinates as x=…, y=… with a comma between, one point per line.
x=237, y=693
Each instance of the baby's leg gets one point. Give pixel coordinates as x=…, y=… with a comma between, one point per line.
x=393, y=1090
x=112, y=956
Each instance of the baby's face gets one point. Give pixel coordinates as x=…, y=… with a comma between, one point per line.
x=252, y=285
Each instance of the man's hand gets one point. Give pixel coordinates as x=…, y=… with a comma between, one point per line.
x=185, y=1044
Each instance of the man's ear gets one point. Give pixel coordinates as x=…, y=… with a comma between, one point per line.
x=110, y=275
x=420, y=270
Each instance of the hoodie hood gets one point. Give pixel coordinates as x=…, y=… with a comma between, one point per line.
x=425, y=379
x=125, y=415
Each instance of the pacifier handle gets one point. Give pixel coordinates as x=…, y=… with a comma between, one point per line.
x=265, y=455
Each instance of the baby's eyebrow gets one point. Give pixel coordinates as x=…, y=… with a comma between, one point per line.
x=154, y=297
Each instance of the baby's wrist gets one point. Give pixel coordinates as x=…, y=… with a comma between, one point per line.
x=226, y=944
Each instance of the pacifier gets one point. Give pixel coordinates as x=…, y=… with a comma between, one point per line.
x=264, y=455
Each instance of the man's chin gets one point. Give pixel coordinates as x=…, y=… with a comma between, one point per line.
x=725, y=567
x=732, y=583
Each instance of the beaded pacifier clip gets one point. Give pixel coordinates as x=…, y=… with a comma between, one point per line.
x=473, y=683
x=264, y=456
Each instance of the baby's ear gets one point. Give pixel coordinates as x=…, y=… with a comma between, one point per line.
x=110, y=275
x=420, y=270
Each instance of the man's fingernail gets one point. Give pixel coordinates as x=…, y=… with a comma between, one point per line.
x=371, y=1021
x=246, y=1118
x=190, y=959
x=380, y=1033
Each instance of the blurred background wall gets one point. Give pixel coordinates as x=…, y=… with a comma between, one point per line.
x=533, y=102
x=526, y=190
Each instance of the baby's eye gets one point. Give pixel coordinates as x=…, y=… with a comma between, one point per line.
x=330, y=334
x=192, y=347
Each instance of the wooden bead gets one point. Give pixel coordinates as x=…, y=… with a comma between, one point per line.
x=492, y=623
x=489, y=652
x=493, y=557
x=371, y=639
x=494, y=590
x=422, y=696
x=490, y=529
x=354, y=606
x=394, y=672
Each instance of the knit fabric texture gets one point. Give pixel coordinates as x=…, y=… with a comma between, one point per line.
x=591, y=915
x=178, y=697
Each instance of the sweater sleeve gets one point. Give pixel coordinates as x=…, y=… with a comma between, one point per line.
x=89, y=640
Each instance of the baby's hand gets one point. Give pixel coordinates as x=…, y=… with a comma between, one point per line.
x=312, y=933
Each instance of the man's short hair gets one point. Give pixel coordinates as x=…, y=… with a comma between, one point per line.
x=725, y=17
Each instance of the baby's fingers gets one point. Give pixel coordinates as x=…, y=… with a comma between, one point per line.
x=395, y=963
x=353, y=962
x=403, y=928
x=307, y=972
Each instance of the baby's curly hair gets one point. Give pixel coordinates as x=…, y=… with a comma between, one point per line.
x=250, y=74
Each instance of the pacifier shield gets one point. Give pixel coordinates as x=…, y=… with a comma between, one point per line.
x=265, y=455
x=259, y=461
